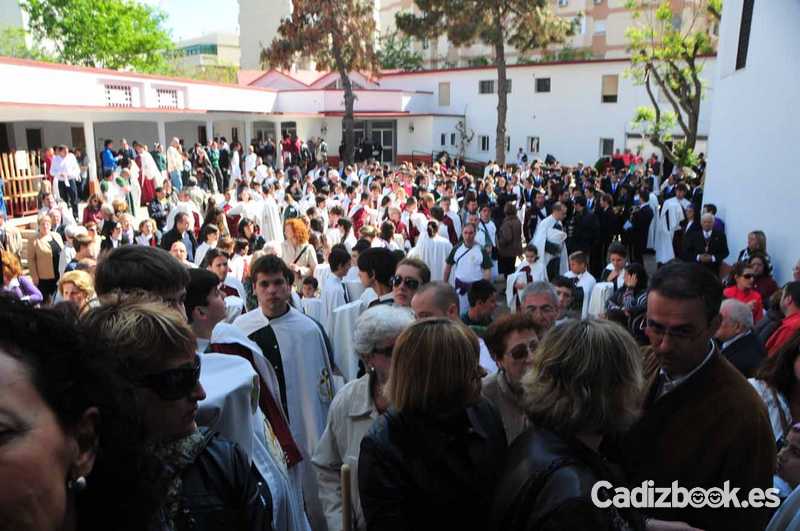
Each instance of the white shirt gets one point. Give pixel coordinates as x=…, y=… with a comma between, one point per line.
x=671, y=383
x=65, y=169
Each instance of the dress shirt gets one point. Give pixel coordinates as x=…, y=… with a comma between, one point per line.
x=669, y=384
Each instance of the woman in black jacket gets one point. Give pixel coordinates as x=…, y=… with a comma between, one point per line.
x=431, y=461
x=177, y=476
x=584, y=385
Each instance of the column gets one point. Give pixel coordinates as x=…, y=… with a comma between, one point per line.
x=210, y=129
x=91, y=148
x=278, y=154
x=162, y=134
x=248, y=134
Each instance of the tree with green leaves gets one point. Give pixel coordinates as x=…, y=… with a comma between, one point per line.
x=396, y=52
x=526, y=25
x=667, y=58
x=338, y=35
x=13, y=44
x=117, y=34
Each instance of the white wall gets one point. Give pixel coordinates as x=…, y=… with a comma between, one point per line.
x=752, y=176
x=258, y=25
x=569, y=120
x=53, y=133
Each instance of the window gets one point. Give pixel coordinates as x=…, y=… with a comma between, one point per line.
x=484, y=141
x=598, y=2
x=677, y=21
x=606, y=147
x=444, y=94
x=486, y=86
x=542, y=84
x=610, y=88
x=118, y=96
x=200, y=49
x=599, y=26
x=744, y=34
x=235, y=134
x=563, y=3
x=441, y=139
x=508, y=144
x=533, y=144
x=167, y=99
x=508, y=86
x=452, y=139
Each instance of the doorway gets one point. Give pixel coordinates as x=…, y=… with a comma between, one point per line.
x=33, y=137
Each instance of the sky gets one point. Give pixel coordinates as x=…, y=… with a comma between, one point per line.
x=191, y=18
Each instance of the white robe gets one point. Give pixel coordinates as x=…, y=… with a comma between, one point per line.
x=270, y=220
x=333, y=296
x=187, y=207
x=546, y=231
x=432, y=251
x=651, y=232
x=585, y=281
x=538, y=273
x=669, y=220
x=309, y=388
x=150, y=169
x=285, y=484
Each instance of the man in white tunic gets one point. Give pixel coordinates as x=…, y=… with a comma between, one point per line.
x=297, y=349
x=550, y=238
x=335, y=292
x=673, y=211
x=529, y=270
x=467, y=263
x=433, y=250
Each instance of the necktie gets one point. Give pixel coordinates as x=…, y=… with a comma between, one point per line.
x=346, y=294
x=558, y=226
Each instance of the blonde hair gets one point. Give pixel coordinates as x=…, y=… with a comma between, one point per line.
x=11, y=266
x=81, y=279
x=138, y=332
x=761, y=238
x=434, y=367
x=586, y=377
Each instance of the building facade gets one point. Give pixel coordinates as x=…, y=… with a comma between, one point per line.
x=751, y=175
x=214, y=49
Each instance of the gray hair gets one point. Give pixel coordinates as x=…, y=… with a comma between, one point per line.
x=541, y=287
x=738, y=312
x=379, y=325
x=707, y=215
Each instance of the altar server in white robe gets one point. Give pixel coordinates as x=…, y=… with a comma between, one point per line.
x=274, y=451
x=466, y=264
x=529, y=270
x=335, y=292
x=486, y=235
x=549, y=239
x=433, y=249
x=651, y=233
x=297, y=348
x=248, y=207
x=270, y=219
x=185, y=205
x=585, y=281
x=669, y=219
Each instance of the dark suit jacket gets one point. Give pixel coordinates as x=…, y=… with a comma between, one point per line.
x=585, y=232
x=694, y=244
x=172, y=236
x=746, y=354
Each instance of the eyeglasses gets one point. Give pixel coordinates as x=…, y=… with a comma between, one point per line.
x=522, y=350
x=748, y=275
x=173, y=384
x=412, y=283
x=659, y=331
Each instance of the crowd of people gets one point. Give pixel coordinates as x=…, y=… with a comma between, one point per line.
x=209, y=339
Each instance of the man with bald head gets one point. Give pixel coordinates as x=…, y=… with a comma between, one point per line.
x=439, y=299
x=707, y=247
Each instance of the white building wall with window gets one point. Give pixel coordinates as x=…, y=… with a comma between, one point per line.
x=570, y=120
x=751, y=174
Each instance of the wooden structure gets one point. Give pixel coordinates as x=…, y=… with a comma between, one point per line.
x=22, y=176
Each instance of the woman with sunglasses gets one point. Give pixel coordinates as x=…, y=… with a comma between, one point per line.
x=354, y=409
x=511, y=340
x=431, y=461
x=411, y=273
x=185, y=476
x=743, y=290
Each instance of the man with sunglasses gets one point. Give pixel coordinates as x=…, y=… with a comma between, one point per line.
x=702, y=424
x=411, y=273
x=297, y=348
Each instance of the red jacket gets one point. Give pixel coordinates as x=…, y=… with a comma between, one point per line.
x=746, y=297
x=789, y=326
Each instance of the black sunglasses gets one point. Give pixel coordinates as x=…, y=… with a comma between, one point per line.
x=748, y=275
x=173, y=384
x=412, y=283
x=521, y=351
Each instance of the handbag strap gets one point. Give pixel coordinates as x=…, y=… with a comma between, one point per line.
x=303, y=250
x=785, y=424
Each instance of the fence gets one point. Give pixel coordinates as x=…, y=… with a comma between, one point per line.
x=22, y=175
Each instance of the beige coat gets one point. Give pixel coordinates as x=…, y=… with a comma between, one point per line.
x=351, y=414
x=40, y=257
x=12, y=240
x=303, y=256
x=497, y=391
